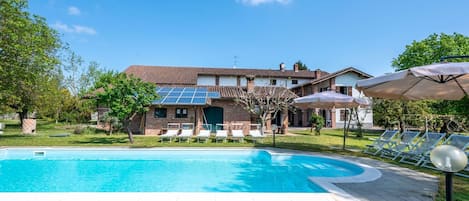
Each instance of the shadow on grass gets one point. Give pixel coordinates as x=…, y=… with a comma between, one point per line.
x=16, y=136
x=102, y=140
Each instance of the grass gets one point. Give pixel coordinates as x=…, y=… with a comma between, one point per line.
x=330, y=141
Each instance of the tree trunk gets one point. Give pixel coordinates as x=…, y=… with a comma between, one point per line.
x=129, y=130
x=262, y=126
x=127, y=124
x=23, y=115
x=110, y=128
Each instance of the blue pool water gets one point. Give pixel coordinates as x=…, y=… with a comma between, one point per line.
x=77, y=170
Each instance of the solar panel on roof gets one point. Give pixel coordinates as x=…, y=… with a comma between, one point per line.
x=184, y=95
x=185, y=100
x=200, y=94
x=187, y=94
x=199, y=100
x=169, y=100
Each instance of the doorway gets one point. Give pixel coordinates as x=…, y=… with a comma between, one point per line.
x=213, y=116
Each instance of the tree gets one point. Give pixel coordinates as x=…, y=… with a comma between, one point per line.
x=28, y=56
x=427, y=51
x=392, y=113
x=431, y=49
x=126, y=96
x=301, y=65
x=79, y=79
x=265, y=102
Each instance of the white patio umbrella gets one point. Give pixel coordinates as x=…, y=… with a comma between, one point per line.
x=442, y=81
x=329, y=100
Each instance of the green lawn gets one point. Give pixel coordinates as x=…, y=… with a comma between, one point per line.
x=329, y=141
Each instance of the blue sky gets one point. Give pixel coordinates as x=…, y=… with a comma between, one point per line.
x=330, y=35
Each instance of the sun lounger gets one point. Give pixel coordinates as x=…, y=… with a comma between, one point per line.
x=379, y=143
x=237, y=132
x=187, y=131
x=221, y=132
x=204, y=132
x=416, y=153
x=394, y=148
x=172, y=131
x=458, y=140
x=255, y=132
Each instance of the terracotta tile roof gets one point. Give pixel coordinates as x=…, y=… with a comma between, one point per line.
x=172, y=75
x=233, y=92
x=335, y=74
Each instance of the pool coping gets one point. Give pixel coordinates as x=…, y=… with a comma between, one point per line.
x=327, y=183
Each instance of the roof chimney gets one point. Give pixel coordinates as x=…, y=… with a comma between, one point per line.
x=296, y=68
x=282, y=67
x=317, y=73
x=250, y=83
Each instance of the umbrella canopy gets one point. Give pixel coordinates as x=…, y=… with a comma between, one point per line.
x=442, y=81
x=328, y=99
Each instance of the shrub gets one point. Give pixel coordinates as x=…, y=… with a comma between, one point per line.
x=317, y=122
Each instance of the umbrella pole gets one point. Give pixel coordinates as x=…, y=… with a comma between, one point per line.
x=345, y=123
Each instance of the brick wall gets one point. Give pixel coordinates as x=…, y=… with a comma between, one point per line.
x=153, y=125
x=233, y=113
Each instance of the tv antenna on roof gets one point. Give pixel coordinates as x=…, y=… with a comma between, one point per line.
x=235, y=61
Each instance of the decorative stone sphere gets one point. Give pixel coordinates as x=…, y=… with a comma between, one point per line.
x=448, y=158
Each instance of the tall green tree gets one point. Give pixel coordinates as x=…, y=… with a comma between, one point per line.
x=126, y=96
x=431, y=49
x=28, y=56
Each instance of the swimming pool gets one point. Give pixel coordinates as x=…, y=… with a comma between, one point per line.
x=127, y=170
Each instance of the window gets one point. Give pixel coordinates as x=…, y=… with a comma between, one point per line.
x=343, y=90
x=323, y=89
x=273, y=82
x=343, y=115
x=294, y=82
x=181, y=112
x=160, y=113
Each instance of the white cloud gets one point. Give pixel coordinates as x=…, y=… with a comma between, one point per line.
x=72, y=10
x=74, y=28
x=84, y=29
x=259, y=2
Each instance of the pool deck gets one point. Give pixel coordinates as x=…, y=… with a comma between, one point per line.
x=393, y=183
x=396, y=183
